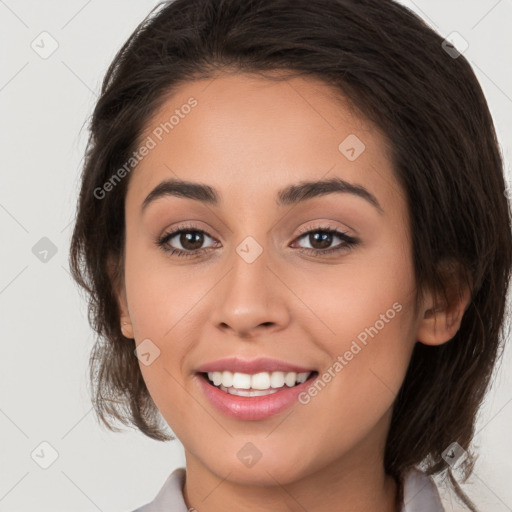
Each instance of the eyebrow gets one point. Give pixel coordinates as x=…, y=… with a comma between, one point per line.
x=290, y=195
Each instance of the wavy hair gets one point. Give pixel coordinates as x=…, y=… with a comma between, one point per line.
x=395, y=72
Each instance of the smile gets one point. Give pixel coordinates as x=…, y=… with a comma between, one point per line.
x=258, y=384
x=253, y=396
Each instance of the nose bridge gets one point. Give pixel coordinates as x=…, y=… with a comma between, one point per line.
x=250, y=296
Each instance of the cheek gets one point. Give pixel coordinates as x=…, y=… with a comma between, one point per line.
x=356, y=390
x=161, y=294
x=366, y=328
x=160, y=303
x=350, y=297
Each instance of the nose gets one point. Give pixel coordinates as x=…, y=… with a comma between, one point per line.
x=251, y=299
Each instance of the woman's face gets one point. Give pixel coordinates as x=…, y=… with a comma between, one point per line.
x=253, y=286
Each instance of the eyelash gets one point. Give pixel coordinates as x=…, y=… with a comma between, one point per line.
x=162, y=241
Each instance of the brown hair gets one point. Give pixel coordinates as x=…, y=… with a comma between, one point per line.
x=395, y=71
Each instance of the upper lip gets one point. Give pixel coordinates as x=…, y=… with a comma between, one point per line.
x=263, y=364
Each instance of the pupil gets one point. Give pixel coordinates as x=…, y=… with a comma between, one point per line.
x=188, y=238
x=325, y=239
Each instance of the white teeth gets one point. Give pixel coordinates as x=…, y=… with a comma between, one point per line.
x=259, y=384
x=241, y=381
x=216, y=377
x=302, y=377
x=227, y=379
x=247, y=392
x=260, y=380
x=290, y=378
x=277, y=379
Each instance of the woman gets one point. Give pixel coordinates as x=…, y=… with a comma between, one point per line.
x=294, y=232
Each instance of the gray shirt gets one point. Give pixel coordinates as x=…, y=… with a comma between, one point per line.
x=420, y=494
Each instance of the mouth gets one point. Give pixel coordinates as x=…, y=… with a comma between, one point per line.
x=256, y=384
x=253, y=389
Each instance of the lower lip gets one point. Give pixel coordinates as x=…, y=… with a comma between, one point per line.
x=252, y=408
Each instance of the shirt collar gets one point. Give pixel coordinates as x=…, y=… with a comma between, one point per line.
x=420, y=494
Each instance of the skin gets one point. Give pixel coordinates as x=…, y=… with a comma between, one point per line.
x=249, y=137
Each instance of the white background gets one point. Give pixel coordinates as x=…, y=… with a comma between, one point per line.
x=45, y=104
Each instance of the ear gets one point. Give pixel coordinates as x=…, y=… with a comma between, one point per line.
x=440, y=318
x=119, y=291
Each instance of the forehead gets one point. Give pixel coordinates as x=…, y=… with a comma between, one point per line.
x=244, y=134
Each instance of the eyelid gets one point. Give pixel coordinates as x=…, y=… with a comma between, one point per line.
x=301, y=231
x=169, y=233
x=322, y=225
x=348, y=240
x=188, y=225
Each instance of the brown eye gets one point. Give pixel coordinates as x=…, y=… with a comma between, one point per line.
x=191, y=240
x=321, y=240
x=188, y=239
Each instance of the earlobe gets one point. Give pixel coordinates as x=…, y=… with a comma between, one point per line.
x=126, y=328
x=126, y=324
x=439, y=321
